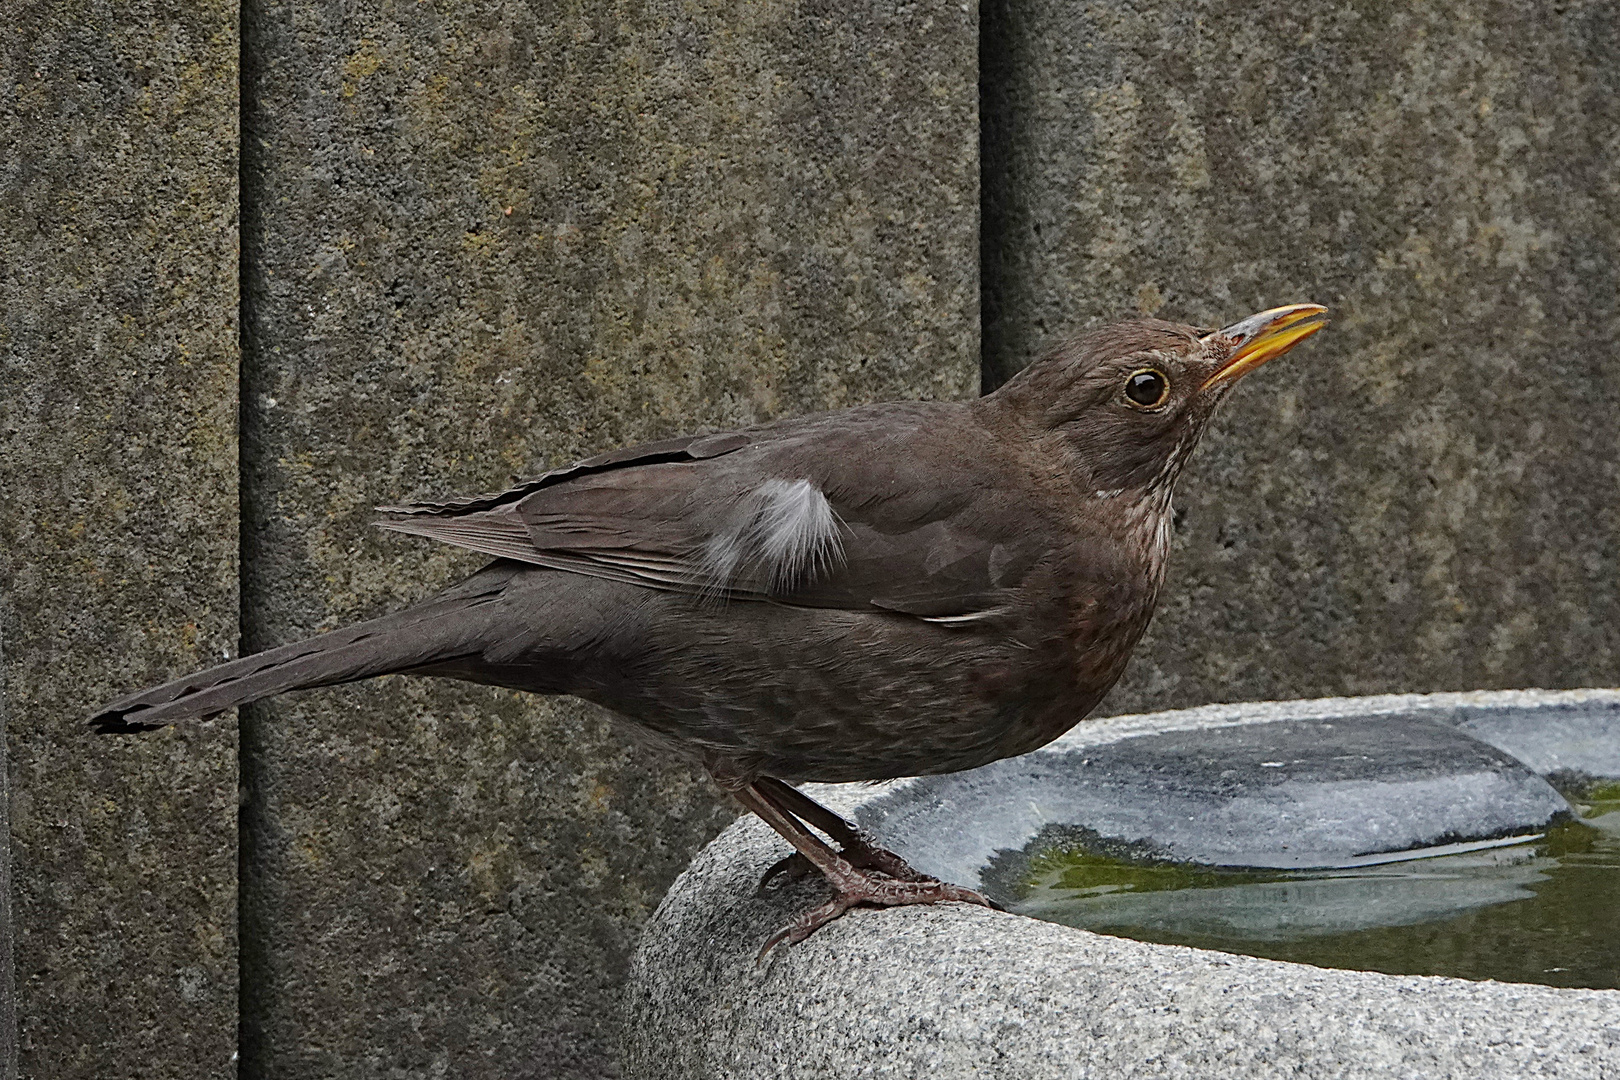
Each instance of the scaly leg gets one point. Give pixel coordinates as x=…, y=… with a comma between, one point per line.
x=850, y=886
x=858, y=846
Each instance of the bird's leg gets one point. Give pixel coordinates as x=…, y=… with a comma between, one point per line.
x=858, y=846
x=850, y=886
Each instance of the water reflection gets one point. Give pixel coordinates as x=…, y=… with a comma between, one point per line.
x=1541, y=912
x=1232, y=905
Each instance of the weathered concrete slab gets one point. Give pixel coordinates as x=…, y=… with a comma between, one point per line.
x=491, y=238
x=1421, y=497
x=118, y=525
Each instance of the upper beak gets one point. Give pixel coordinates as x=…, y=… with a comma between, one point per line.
x=1263, y=337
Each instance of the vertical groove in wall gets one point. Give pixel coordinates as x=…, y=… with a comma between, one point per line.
x=995, y=120
x=250, y=984
x=8, y=985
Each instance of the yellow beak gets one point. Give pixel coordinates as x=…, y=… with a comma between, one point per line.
x=1263, y=337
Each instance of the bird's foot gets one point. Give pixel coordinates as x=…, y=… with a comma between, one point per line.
x=861, y=852
x=873, y=890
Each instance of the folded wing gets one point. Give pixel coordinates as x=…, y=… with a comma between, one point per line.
x=865, y=513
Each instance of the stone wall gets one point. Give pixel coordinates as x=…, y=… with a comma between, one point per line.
x=486, y=238
x=1424, y=496
x=477, y=241
x=8, y=967
x=118, y=526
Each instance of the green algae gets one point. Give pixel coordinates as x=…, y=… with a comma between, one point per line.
x=1086, y=873
x=1542, y=911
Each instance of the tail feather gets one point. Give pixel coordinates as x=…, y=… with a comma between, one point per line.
x=443, y=629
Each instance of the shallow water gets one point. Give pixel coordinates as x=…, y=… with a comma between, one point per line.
x=1543, y=909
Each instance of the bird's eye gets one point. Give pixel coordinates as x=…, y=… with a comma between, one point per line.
x=1147, y=388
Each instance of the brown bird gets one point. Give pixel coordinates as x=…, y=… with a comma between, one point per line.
x=892, y=590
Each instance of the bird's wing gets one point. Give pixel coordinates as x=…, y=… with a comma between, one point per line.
x=891, y=508
x=685, y=448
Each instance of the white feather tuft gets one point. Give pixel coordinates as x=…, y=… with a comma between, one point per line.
x=782, y=533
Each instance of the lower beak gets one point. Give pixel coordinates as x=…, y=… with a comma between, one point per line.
x=1264, y=337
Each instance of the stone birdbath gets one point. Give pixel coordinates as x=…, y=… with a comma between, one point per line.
x=1305, y=829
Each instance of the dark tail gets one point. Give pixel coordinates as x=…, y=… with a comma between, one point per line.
x=454, y=624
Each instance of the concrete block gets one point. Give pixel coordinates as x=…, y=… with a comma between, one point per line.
x=487, y=239
x=118, y=511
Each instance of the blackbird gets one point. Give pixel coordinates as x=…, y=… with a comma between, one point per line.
x=891, y=590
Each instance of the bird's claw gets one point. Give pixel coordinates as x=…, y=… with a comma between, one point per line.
x=794, y=867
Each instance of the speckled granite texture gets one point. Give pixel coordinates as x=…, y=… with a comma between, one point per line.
x=118, y=512
x=484, y=239
x=948, y=993
x=1423, y=496
x=955, y=991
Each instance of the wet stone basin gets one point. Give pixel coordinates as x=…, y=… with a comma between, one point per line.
x=1386, y=842
x=1398, y=842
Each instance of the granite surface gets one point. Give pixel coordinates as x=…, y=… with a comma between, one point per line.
x=959, y=991
x=118, y=512
x=483, y=239
x=1422, y=497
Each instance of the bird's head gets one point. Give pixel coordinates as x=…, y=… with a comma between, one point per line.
x=1128, y=402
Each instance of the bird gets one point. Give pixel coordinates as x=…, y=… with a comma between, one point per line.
x=895, y=589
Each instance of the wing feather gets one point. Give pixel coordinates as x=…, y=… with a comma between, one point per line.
x=499, y=535
x=685, y=448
